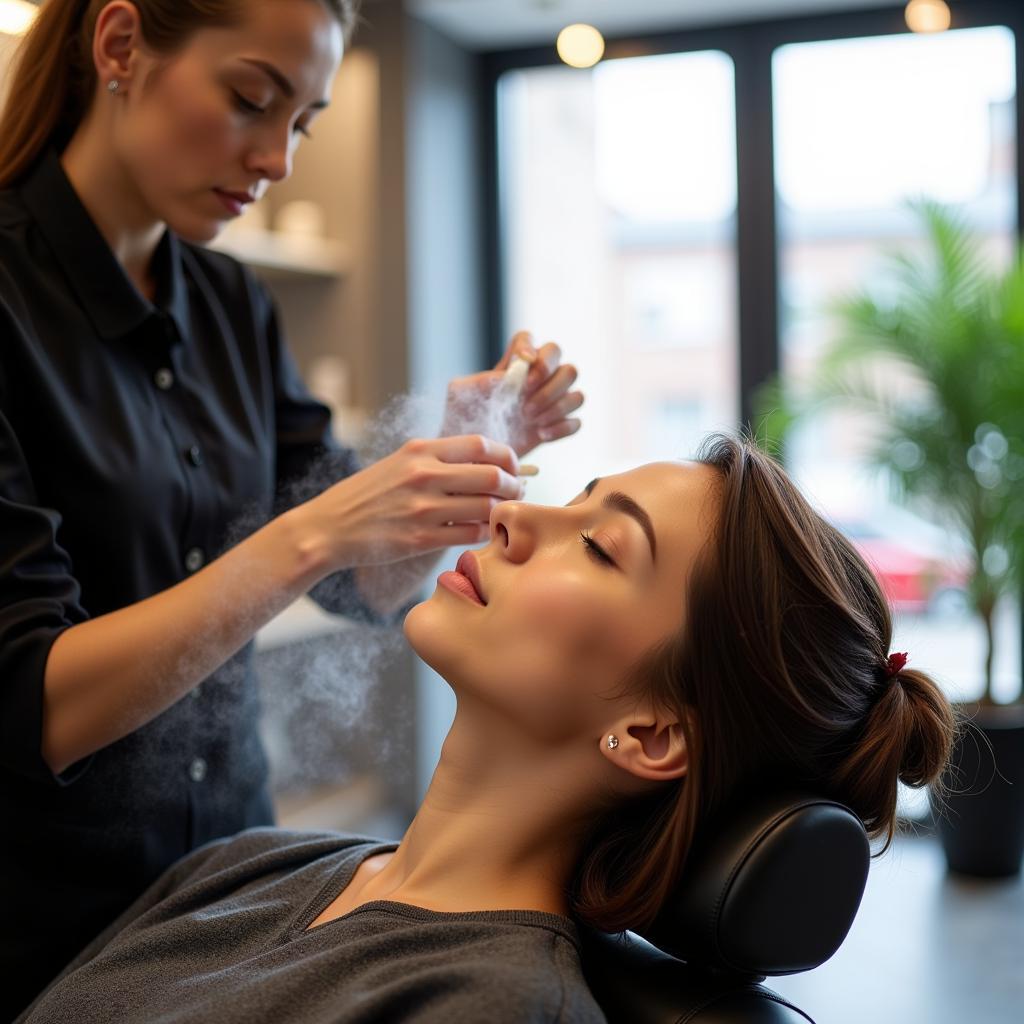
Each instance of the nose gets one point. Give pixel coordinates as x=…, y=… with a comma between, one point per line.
x=514, y=529
x=272, y=157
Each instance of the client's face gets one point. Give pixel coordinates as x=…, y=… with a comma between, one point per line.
x=552, y=614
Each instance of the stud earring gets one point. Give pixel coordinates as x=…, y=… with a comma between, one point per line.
x=113, y=85
x=612, y=742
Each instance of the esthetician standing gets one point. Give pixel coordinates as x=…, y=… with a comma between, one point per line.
x=147, y=401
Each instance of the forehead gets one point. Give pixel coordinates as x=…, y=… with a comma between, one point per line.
x=301, y=37
x=682, y=500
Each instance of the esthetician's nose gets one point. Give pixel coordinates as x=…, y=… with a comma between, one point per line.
x=514, y=529
x=271, y=157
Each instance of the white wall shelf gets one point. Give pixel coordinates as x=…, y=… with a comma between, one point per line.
x=280, y=255
x=302, y=620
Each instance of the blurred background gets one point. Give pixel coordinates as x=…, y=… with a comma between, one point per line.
x=679, y=215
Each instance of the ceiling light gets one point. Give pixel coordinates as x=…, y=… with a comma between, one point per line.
x=927, y=15
x=16, y=16
x=580, y=46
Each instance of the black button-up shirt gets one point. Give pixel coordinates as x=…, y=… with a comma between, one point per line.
x=134, y=439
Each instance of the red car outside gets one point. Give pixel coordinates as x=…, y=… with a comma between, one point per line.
x=912, y=580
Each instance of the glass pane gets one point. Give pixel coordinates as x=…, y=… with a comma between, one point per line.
x=618, y=191
x=861, y=126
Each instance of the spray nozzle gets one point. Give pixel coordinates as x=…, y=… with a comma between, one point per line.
x=511, y=385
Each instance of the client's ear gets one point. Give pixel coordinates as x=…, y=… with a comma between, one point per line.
x=650, y=746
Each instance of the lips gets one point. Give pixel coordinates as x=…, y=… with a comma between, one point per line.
x=234, y=202
x=242, y=197
x=468, y=566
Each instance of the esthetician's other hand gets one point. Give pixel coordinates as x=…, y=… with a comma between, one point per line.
x=429, y=494
x=547, y=399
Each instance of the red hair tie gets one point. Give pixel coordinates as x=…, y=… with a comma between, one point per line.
x=895, y=662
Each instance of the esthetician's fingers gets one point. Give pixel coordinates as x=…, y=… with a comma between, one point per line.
x=463, y=510
x=480, y=480
x=459, y=535
x=549, y=356
x=559, y=430
x=520, y=345
x=475, y=448
x=550, y=391
x=557, y=411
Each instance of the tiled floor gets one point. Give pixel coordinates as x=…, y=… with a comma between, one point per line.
x=926, y=948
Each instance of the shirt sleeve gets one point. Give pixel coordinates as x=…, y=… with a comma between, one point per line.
x=309, y=460
x=39, y=599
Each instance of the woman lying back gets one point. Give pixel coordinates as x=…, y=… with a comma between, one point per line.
x=623, y=666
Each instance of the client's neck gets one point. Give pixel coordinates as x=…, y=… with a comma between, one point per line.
x=499, y=828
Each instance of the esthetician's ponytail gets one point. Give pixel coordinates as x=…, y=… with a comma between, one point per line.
x=53, y=80
x=47, y=91
x=782, y=676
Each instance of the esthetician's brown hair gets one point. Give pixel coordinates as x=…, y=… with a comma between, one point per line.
x=54, y=78
x=779, y=678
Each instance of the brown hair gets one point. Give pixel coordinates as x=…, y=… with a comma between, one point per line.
x=54, y=77
x=779, y=678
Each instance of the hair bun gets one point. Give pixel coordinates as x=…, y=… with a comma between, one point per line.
x=928, y=729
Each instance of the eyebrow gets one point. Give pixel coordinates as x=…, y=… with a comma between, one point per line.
x=619, y=502
x=280, y=80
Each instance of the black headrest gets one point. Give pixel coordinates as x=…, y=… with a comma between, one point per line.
x=771, y=888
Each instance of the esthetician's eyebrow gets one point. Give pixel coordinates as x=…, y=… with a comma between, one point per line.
x=619, y=502
x=280, y=80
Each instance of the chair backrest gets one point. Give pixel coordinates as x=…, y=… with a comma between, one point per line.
x=772, y=888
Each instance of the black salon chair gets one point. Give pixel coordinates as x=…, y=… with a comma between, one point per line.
x=771, y=890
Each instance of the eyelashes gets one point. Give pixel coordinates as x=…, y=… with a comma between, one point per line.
x=252, y=108
x=595, y=550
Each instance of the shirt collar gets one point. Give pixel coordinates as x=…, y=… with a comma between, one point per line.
x=113, y=304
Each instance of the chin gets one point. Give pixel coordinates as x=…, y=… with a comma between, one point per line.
x=192, y=225
x=434, y=637
x=195, y=231
x=421, y=628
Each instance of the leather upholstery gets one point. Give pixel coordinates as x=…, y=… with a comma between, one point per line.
x=772, y=889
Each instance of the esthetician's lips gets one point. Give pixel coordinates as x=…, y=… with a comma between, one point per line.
x=236, y=202
x=465, y=580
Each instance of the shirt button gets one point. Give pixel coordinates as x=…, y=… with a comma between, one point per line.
x=194, y=559
x=195, y=455
x=197, y=691
x=163, y=378
x=197, y=770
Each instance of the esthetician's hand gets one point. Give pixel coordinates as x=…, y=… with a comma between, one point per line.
x=546, y=403
x=429, y=494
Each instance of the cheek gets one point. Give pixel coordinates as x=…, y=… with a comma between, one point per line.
x=544, y=655
x=186, y=132
x=557, y=647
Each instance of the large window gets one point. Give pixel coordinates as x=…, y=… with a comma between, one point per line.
x=621, y=231
x=618, y=191
x=862, y=126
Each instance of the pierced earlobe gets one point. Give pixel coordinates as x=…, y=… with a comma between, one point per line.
x=113, y=85
x=612, y=742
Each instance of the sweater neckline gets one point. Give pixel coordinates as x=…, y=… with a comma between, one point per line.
x=343, y=874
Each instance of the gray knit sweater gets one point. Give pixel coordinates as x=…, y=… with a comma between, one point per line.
x=221, y=937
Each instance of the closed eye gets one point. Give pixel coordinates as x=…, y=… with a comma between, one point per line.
x=244, y=104
x=252, y=108
x=595, y=550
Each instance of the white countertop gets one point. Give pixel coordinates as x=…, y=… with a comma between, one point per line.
x=299, y=621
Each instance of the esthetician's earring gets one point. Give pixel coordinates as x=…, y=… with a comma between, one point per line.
x=612, y=741
x=113, y=85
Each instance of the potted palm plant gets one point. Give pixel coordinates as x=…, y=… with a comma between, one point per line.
x=950, y=437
